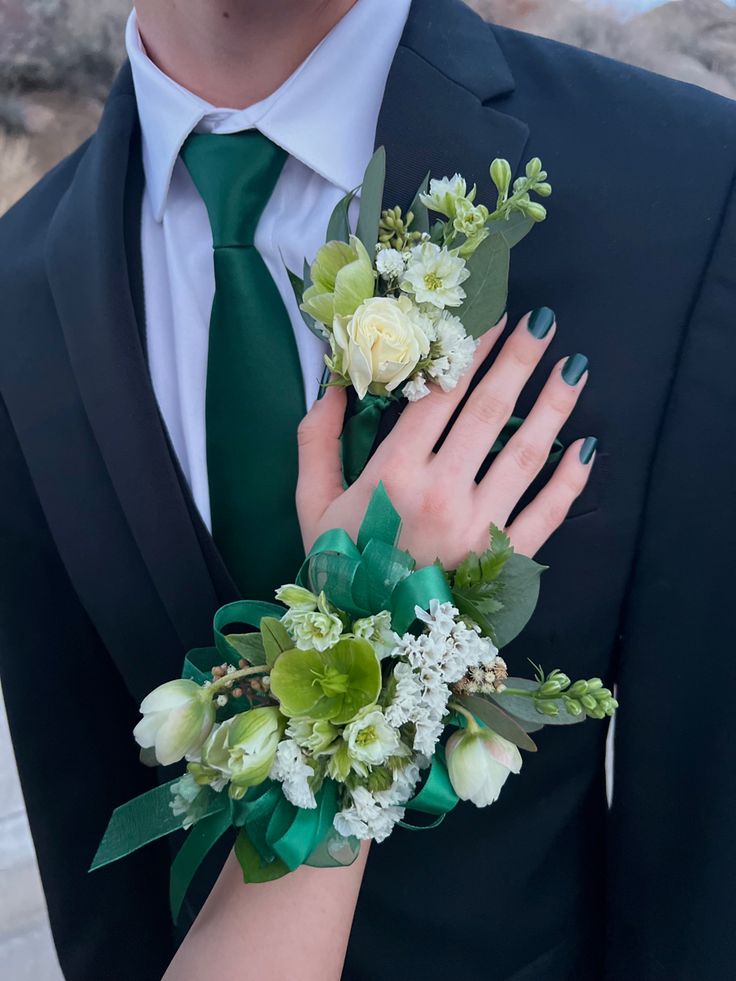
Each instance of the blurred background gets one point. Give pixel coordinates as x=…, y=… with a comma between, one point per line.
x=57, y=60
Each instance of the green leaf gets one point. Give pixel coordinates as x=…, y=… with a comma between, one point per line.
x=514, y=228
x=519, y=582
x=276, y=639
x=253, y=866
x=523, y=709
x=487, y=288
x=472, y=608
x=338, y=227
x=371, y=201
x=496, y=719
x=249, y=646
x=298, y=286
x=419, y=210
x=497, y=555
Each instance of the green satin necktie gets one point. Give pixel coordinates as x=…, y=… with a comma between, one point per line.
x=255, y=392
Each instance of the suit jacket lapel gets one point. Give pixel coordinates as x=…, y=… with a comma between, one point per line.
x=88, y=275
x=438, y=112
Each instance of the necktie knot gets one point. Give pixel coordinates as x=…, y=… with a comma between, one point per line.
x=235, y=175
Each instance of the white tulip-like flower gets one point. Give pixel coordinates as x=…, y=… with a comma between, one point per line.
x=252, y=739
x=177, y=718
x=479, y=762
x=434, y=275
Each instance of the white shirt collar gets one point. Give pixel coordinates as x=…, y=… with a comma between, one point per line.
x=324, y=114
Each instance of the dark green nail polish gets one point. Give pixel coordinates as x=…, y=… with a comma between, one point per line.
x=540, y=322
x=574, y=368
x=588, y=449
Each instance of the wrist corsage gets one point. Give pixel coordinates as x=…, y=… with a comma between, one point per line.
x=373, y=695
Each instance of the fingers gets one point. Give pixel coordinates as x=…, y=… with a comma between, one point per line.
x=548, y=510
x=492, y=402
x=527, y=451
x=320, y=466
x=422, y=423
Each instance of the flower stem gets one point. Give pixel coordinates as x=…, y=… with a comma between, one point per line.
x=469, y=718
x=242, y=673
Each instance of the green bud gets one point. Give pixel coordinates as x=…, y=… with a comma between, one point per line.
x=535, y=211
x=296, y=597
x=501, y=175
x=533, y=168
x=550, y=687
x=594, y=684
x=547, y=708
x=543, y=190
x=588, y=702
x=573, y=706
x=561, y=678
x=578, y=689
x=597, y=713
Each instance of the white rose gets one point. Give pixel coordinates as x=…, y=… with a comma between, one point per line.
x=381, y=343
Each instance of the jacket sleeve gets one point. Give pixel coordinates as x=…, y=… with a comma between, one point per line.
x=71, y=718
x=672, y=848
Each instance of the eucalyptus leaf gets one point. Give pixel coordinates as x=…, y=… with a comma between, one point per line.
x=254, y=868
x=249, y=646
x=487, y=288
x=514, y=228
x=519, y=581
x=523, y=709
x=338, y=227
x=419, y=210
x=496, y=719
x=371, y=201
x=276, y=639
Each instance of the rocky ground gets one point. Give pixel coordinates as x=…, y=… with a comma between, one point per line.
x=57, y=59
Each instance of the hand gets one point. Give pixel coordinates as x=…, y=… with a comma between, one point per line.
x=445, y=512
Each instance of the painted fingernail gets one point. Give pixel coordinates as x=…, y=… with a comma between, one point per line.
x=540, y=322
x=574, y=368
x=588, y=449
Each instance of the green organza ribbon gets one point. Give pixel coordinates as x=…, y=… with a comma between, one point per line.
x=362, y=578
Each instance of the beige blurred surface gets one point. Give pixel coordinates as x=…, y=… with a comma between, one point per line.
x=57, y=59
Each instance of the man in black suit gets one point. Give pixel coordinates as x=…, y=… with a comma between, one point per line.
x=109, y=573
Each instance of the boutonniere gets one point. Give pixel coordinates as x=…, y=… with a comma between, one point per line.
x=402, y=299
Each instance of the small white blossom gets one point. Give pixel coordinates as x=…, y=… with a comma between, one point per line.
x=312, y=630
x=370, y=738
x=184, y=797
x=454, y=352
x=390, y=263
x=415, y=388
x=377, y=630
x=366, y=818
x=293, y=772
x=445, y=195
x=434, y=275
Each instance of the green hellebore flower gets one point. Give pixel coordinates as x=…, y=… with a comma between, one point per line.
x=333, y=684
x=342, y=277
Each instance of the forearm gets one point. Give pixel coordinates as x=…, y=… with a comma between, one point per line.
x=295, y=927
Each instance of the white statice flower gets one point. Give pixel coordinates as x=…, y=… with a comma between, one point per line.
x=312, y=630
x=293, y=772
x=390, y=263
x=434, y=275
x=428, y=665
x=446, y=193
x=366, y=818
x=452, y=350
x=185, y=793
x=404, y=784
x=371, y=739
x=377, y=630
x=416, y=388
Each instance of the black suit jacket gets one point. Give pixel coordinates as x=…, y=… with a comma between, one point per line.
x=108, y=576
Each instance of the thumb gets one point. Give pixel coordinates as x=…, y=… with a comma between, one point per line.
x=320, y=463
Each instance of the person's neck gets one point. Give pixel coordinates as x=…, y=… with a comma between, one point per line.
x=233, y=53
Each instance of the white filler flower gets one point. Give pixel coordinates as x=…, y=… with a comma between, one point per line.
x=293, y=773
x=434, y=275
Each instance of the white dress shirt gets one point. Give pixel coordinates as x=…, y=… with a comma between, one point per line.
x=324, y=115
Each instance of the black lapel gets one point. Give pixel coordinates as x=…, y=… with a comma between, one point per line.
x=88, y=275
x=437, y=113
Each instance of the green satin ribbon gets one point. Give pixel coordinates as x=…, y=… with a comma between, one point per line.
x=361, y=578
